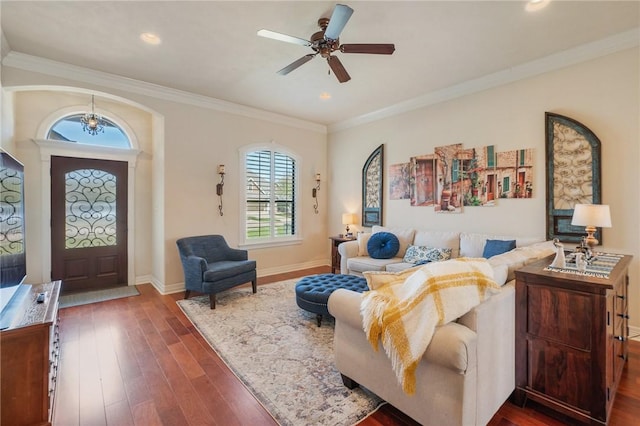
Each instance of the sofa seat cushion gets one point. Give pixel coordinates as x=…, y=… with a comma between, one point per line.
x=399, y=267
x=366, y=263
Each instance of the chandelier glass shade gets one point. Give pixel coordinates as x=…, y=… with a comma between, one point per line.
x=91, y=122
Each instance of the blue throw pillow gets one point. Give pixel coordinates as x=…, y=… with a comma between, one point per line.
x=495, y=247
x=383, y=245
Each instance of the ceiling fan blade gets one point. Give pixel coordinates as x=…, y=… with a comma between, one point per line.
x=339, y=17
x=292, y=66
x=338, y=69
x=376, y=49
x=283, y=37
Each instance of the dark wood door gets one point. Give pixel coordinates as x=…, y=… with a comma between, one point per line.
x=88, y=223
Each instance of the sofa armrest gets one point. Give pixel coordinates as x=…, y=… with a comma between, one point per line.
x=347, y=249
x=345, y=305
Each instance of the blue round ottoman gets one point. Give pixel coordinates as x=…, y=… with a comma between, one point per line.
x=312, y=292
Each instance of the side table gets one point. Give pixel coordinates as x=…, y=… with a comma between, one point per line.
x=335, y=255
x=571, y=339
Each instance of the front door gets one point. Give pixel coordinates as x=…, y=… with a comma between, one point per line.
x=88, y=223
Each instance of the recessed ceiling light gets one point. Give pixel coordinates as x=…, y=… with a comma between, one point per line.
x=535, y=5
x=150, y=38
x=325, y=95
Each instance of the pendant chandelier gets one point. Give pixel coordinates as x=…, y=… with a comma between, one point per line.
x=91, y=122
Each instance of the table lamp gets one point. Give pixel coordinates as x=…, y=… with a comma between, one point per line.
x=348, y=219
x=591, y=216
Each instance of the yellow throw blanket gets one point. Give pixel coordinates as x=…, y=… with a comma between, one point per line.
x=404, y=313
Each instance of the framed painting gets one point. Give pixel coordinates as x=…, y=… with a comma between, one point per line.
x=573, y=168
x=372, y=176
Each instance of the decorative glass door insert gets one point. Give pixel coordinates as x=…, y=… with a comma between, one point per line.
x=90, y=197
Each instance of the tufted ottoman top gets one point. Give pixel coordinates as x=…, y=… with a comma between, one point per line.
x=320, y=287
x=312, y=292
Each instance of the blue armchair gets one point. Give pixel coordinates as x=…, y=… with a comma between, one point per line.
x=211, y=266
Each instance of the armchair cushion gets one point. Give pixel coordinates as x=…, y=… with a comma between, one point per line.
x=228, y=268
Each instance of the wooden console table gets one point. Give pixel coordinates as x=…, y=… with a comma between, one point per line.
x=30, y=360
x=335, y=255
x=571, y=339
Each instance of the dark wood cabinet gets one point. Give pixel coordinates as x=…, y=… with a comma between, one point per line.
x=30, y=360
x=335, y=255
x=571, y=339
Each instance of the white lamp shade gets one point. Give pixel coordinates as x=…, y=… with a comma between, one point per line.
x=348, y=219
x=597, y=215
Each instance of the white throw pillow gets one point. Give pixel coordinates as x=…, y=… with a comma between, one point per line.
x=363, y=239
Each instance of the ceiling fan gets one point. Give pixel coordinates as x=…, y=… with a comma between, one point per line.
x=327, y=41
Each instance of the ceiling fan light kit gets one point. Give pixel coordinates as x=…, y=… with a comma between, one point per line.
x=326, y=41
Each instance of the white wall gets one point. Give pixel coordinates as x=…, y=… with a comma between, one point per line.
x=177, y=190
x=602, y=94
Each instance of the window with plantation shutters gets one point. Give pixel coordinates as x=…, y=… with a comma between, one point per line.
x=270, y=196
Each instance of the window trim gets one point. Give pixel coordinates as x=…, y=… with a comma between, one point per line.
x=46, y=124
x=268, y=241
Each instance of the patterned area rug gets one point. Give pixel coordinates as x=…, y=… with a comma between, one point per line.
x=95, y=296
x=277, y=350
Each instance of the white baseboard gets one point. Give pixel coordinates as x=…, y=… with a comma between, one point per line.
x=291, y=268
x=165, y=289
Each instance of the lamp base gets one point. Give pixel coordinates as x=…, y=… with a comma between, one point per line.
x=590, y=240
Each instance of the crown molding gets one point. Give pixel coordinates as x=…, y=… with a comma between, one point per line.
x=586, y=52
x=40, y=65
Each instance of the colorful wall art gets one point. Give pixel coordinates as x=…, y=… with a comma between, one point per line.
x=454, y=177
x=399, y=181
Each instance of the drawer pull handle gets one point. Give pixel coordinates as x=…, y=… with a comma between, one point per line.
x=621, y=338
x=620, y=296
x=623, y=316
x=624, y=358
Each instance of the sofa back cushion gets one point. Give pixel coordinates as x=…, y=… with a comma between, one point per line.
x=472, y=244
x=440, y=239
x=405, y=236
x=522, y=256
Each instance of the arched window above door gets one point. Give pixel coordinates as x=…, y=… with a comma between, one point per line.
x=69, y=129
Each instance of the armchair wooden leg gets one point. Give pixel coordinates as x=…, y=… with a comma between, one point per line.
x=187, y=293
x=254, y=285
x=212, y=300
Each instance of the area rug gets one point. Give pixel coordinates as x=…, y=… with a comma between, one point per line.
x=277, y=350
x=95, y=296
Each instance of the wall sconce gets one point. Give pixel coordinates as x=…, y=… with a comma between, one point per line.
x=314, y=193
x=220, y=187
x=348, y=219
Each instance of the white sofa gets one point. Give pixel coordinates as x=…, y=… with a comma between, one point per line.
x=468, y=370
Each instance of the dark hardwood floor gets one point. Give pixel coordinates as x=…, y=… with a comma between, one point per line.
x=139, y=361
